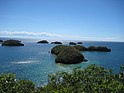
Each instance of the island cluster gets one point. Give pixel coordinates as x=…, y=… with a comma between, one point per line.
x=66, y=54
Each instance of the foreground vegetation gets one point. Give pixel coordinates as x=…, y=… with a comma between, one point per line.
x=93, y=79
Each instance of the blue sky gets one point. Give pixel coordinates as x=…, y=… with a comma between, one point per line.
x=101, y=20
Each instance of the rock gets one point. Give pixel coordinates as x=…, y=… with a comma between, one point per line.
x=43, y=41
x=92, y=48
x=103, y=48
x=79, y=43
x=80, y=48
x=56, y=42
x=72, y=43
x=12, y=43
x=57, y=49
x=69, y=55
x=99, y=48
x=1, y=40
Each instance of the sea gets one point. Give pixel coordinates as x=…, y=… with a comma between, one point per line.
x=34, y=61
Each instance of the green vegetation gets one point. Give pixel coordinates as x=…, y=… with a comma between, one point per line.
x=9, y=84
x=93, y=79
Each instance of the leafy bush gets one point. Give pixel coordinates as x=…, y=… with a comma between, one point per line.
x=9, y=84
x=93, y=79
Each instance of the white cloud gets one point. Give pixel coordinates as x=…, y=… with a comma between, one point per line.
x=40, y=34
x=54, y=36
x=27, y=33
x=111, y=38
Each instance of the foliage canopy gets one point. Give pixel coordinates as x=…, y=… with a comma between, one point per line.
x=93, y=79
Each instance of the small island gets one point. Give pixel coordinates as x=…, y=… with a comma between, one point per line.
x=56, y=42
x=1, y=40
x=12, y=43
x=67, y=54
x=72, y=43
x=99, y=48
x=43, y=42
x=93, y=48
x=79, y=43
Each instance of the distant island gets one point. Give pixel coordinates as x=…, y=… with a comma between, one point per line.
x=56, y=42
x=79, y=43
x=72, y=43
x=93, y=48
x=1, y=40
x=12, y=43
x=43, y=41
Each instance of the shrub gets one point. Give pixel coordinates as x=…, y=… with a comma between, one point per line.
x=93, y=79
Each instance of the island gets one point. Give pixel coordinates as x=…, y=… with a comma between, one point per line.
x=72, y=43
x=93, y=48
x=12, y=43
x=43, y=41
x=1, y=40
x=99, y=48
x=79, y=43
x=56, y=42
x=67, y=54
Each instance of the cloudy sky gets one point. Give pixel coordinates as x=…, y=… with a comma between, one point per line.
x=101, y=20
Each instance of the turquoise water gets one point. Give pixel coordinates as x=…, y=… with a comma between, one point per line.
x=33, y=61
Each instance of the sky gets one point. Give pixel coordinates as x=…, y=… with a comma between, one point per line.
x=97, y=20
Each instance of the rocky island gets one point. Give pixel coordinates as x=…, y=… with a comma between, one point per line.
x=12, y=43
x=99, y=48
x=67, y=54
x=79, y=43
x=43, y=41
x=1, y=40
x=93, y=48
x=72, y=43
x=56, y=42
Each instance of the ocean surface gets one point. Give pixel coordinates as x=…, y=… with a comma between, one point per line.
x=34, y=62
